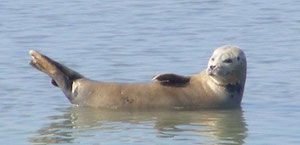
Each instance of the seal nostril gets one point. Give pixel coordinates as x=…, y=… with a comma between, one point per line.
x=212, y=67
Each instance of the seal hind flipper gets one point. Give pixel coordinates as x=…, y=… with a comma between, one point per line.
x=171, y=79
x=62, y=76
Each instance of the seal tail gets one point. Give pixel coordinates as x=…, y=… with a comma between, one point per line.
x=62, y=76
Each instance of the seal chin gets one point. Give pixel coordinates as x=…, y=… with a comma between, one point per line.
x=214, y=77
x=217, y=82
x=221, y=82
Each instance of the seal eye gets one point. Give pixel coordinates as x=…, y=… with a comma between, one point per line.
x=228, y=60
x=212, y=59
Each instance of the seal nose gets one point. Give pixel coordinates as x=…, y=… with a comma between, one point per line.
x=212, y=67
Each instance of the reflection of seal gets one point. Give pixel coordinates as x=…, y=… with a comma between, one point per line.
x=221, y=85
x=202, y=126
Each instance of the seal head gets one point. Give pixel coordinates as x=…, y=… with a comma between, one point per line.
x=227, y=65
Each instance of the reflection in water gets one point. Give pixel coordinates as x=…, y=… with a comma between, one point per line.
x=213, y=126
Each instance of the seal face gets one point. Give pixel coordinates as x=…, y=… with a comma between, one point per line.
x=220, y=84
x=227, y=65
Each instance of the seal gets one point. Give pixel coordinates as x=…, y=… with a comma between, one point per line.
x=220, y=85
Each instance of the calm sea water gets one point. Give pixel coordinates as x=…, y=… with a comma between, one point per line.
x=131, y=41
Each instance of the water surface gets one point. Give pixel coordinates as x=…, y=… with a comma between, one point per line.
x=131, y=41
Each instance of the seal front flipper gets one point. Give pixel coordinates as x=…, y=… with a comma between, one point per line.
x=62, y=76
x=171, y=79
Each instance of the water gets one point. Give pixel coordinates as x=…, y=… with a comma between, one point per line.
x=131, y=41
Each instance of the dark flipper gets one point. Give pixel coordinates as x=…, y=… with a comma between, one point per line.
x=62, y=76
x=171, y=79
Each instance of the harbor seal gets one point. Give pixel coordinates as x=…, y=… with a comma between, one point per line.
x=220, y=85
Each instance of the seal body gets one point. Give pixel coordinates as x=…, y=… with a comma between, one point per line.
x=214, y=87
x=151, y=95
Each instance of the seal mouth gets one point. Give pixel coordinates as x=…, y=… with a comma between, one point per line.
x=212, y=76
x=209, y=72
x=215, y=79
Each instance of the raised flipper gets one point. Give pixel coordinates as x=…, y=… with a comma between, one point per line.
x=62, y=76
x=171, y=79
